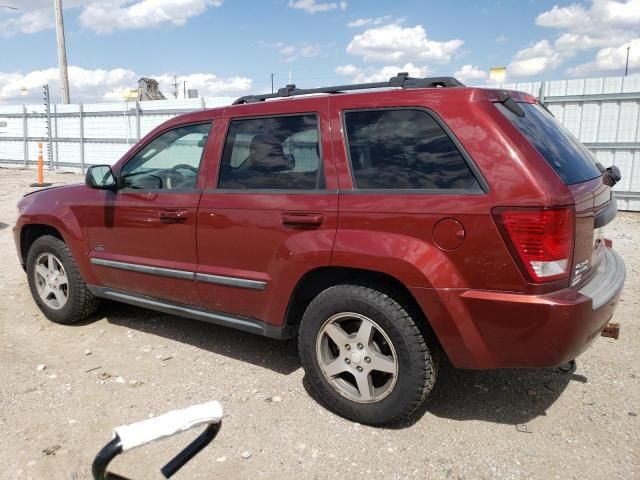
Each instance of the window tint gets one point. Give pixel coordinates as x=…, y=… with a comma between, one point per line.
x=170, y=161
x=281, y=153
x=562, y=151
x=404, y=149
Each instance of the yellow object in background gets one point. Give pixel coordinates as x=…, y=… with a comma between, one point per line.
x=497, y=74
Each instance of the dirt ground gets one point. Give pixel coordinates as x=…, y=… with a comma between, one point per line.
x=127, y=364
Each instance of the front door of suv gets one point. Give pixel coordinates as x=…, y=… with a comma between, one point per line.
x=270, y=214
x=143, y=237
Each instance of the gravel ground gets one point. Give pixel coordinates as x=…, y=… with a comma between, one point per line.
x=127, y=364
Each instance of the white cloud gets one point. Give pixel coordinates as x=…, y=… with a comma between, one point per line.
x=617, y=13
x=312, y=6
x=104, y=17
x=347, y=70
x=33, y=16
x=398, y=44
x=470, y=72
x=108, y=85
x=501, y=38
x=610, y=59
x=207, y=84
x=364, y=75
x=604, y=24
x=362, y=22
x=534, y=60
x=563, y=17
x=291, y=52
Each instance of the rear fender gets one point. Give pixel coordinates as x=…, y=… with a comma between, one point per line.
x=410, y=260
x=433, y=280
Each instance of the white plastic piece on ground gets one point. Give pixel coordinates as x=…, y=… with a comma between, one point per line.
x=176, y=421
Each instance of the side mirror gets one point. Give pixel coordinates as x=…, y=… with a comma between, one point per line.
x=100, y=177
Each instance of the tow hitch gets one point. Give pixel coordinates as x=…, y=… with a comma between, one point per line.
x=568, y=368
x=612, y=330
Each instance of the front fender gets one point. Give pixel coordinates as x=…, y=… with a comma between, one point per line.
x=55, y=209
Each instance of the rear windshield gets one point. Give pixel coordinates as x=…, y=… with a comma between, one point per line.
x=562, y=151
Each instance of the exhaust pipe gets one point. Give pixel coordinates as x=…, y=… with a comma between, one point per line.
x=612, y=330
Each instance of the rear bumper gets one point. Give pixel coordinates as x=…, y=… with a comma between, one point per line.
x=498, y=329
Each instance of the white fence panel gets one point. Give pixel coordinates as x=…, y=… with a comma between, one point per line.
x=604, y=113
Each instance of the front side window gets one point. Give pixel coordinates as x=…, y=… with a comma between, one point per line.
x=404, y=149
x=170, y=161
x=274, y=153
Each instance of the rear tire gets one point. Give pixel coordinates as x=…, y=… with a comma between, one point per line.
x=365, y=356
x=56, y=284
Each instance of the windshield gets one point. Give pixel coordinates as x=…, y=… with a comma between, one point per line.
x=562, y=151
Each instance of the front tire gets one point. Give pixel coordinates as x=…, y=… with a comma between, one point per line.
x=56, y=284
x=365, y=355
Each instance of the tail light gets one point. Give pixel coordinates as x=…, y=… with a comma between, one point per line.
x=541, y=239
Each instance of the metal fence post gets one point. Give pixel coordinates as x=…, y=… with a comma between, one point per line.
x=81, y=118
x=49, y=140
x=25, y=133
x=138, y=112
x=541, y=92
x=55, y=131
x=202, y=104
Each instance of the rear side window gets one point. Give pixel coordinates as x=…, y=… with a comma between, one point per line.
x=562, y=151
x=273, y=153
x=404, y=149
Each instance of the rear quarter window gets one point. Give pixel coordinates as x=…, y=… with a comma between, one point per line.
x=404, y=149
x=562, y=151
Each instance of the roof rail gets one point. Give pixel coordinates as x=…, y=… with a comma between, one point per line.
x=401, y=80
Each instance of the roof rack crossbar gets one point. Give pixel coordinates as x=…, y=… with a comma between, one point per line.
x=401, y=80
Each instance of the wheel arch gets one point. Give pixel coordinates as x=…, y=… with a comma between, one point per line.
x=321, y=278
x=31, y=232
x=36, y=227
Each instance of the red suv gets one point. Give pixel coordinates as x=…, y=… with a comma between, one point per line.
x=384, y=228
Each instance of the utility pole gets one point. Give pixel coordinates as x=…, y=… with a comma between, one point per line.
x=62, y=52
x=184, y=89
x=175, y=87
x=626, y=67
x=272, y=75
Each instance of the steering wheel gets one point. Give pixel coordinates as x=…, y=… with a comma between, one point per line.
x=184, y=166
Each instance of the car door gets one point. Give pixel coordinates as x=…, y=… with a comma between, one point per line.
x=269, y=215
x=143, y=236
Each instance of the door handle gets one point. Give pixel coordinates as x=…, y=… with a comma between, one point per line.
x=302, y=219
x=173, y=215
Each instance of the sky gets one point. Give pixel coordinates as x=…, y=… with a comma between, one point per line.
x=231, y=47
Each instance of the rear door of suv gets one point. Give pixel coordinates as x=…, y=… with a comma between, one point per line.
x=269, y=212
